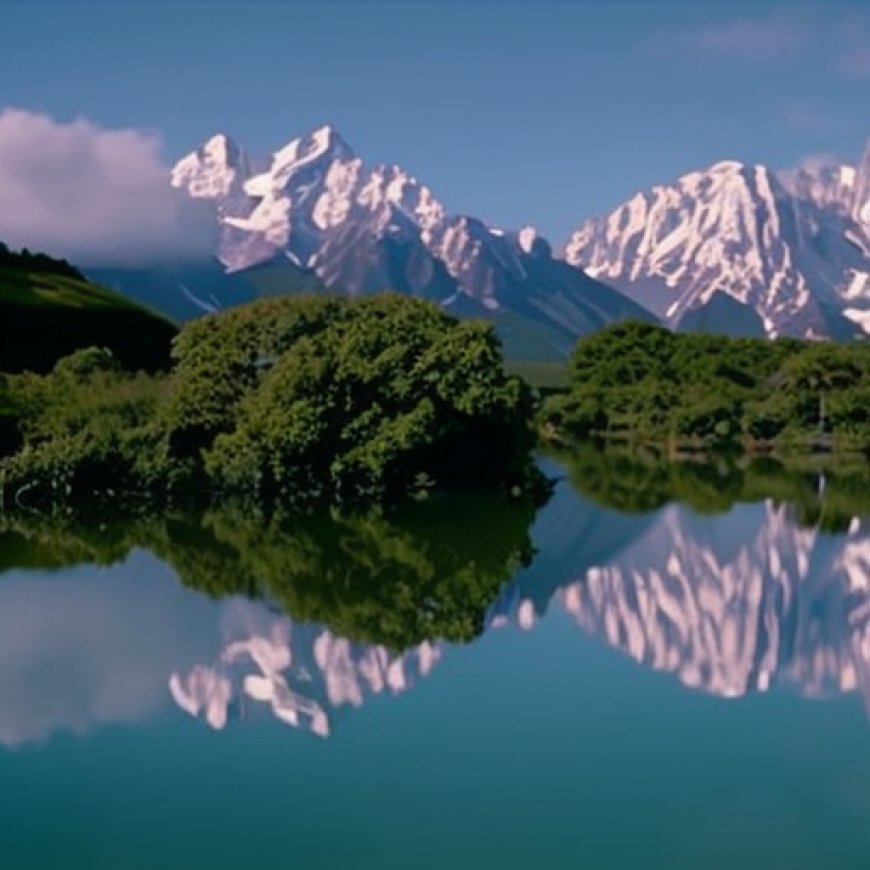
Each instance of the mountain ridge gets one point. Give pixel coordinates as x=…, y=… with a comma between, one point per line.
x=363, y=228
x=792, y=245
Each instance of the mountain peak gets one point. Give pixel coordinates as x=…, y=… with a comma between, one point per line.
x=326, y=139
x=325, y=134
x=362, y=228
x=729, y=167
x=823, y=179
x=221, y=147
x=322, y=143
x=213, y=170
x=531, y=242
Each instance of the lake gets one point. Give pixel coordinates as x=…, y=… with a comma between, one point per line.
x=652, y=670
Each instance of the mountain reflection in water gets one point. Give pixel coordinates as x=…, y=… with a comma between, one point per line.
x=306, y=621
x=729, y=604
x=303, y=672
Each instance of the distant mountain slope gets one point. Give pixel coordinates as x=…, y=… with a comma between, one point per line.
x=362, y=229
x=723, y=315
x=793, y=246
x=184, y=292
x=48, y=310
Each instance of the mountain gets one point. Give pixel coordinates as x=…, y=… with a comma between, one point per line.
x=182, y=292
x=362, y=229
x=792, y=246
x=861, y=205
x=48, y=310
x=723, y=313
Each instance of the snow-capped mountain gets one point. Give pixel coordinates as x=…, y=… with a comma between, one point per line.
x=364, y=228
x=794, y=247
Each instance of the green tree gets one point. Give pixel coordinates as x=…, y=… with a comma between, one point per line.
x=389, y=392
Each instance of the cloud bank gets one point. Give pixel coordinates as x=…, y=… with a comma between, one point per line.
x=96, y=196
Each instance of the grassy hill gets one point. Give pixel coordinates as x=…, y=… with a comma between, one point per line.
x=48, y=310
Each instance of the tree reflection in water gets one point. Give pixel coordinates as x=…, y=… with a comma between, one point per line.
x=734, y=576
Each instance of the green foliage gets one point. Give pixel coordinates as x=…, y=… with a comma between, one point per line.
x=86, y=427
x=10, y=439
x=825, y=495
x=427, y=572
x=643, y=384
x=26, y=261
x=221, y=358
x=293, y=401
x=312, y=398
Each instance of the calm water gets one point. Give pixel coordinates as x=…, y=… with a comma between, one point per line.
x=667, y=688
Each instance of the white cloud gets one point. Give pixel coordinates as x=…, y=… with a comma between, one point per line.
x=778, y=38
x=93, y=195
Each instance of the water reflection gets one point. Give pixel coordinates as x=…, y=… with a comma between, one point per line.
x=755, y=577
x=89, y=648
x=338, y=609
x=303, y=673
x=730, y=603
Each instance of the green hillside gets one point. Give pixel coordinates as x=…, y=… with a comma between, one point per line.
x=48, y=310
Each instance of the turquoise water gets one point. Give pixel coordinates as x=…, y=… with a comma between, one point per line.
x=665, y=689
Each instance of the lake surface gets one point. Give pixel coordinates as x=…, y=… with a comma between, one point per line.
x=664, y=688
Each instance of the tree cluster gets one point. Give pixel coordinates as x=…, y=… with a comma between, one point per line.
x=634, y=382
x=297, y=401
x=26, y=261
x=821, y=492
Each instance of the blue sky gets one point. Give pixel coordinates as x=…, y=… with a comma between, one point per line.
x=513, y=111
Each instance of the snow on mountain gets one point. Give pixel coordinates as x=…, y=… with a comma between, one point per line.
x=793, y=246
x=309, y=188
x=364, y=228
x=216, y=170
x=219, y=171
